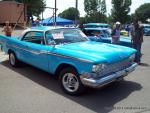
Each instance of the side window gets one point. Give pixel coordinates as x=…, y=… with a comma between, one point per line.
x=34, y=37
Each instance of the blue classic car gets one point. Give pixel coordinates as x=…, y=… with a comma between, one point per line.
x=103, y=35
x=68, y=54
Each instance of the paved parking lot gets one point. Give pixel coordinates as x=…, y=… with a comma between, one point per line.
x=29, y=90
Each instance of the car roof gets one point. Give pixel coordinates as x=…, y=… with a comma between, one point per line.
x=103, y=24
x=45, y=28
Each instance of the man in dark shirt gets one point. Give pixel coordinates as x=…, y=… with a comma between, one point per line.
x=137, y=39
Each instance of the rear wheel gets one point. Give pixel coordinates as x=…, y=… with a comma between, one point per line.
x=13, y=59
x=70, y=82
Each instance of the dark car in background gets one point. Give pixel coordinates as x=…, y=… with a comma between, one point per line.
x=146, y=29
x=147, y=33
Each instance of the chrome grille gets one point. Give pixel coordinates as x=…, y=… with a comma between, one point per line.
x=115, y=67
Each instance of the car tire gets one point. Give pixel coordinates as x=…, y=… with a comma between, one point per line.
x=70, y=82
x=14, y=62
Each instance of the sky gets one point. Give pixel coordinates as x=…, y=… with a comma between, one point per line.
x=65, y=4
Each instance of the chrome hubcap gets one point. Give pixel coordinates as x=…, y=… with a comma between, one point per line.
x=12, y=59
x=70, y=82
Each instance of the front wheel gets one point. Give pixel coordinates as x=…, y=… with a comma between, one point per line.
x=70, y=82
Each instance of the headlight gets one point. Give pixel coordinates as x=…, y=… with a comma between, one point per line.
x=98, y=68
x=132, y=57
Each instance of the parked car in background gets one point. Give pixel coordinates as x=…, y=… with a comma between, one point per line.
x=146, y=29
x=147, y=33
x=124, y=33
x=105, y=36
x=98, y=25
x=94, y=25
x=68, y=54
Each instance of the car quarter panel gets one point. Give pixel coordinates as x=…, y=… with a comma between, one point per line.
x=33, y=54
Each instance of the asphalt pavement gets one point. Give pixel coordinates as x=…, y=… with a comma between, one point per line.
x=30, y=90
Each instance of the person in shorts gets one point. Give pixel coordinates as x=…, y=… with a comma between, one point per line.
x=7, y=29
x=116, y=34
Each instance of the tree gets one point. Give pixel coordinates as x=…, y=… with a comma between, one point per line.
x=70, y=13
x=94, y=18
x=120, y=10
x=103, y=7
x=109, y=18
x=92, y=6
x=95, y=10
x=97, y=17
x=143, y=12
x=34, y=7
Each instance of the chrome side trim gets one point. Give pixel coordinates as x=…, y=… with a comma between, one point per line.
x=96, y=83
x=31, y=51
x=73, y=58
x=50, y=53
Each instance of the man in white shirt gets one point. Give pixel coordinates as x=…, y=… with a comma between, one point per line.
x=116, y=34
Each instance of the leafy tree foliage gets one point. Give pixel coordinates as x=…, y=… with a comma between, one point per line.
x=94, y=18
x=103, y=7
x=92, y=6
x=120, y=10
x=70, y=13
x=143, y=12
x=95, y=10
x=109, y=18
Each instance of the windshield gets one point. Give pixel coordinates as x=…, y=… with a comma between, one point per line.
x=64, y=36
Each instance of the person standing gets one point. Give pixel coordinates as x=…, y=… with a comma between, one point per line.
x=116, y=34
x=137, y=39
x=7, y=29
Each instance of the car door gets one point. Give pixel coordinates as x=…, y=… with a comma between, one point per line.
x=34, y=49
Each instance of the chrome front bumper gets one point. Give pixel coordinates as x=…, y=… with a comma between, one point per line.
x=96, y=83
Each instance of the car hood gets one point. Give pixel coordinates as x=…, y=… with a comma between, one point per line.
x=95, y=52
